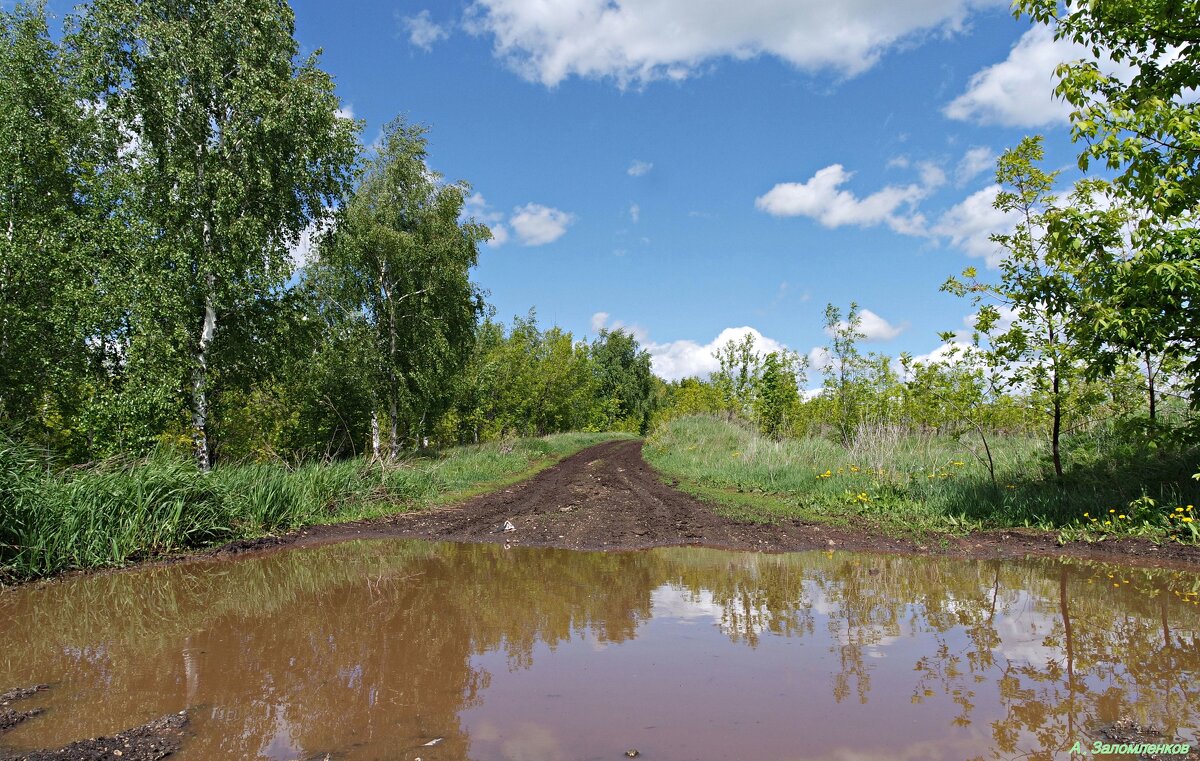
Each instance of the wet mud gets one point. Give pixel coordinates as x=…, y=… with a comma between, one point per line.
x=152, y=741
x=608, y=498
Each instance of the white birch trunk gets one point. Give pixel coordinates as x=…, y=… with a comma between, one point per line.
x=200, y=378
x=375, y=444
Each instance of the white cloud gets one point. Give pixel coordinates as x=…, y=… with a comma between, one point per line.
x=873, y=327
x=686, y=358
x=600, y=321
x=637, y=41
x=476, y=207
x=973, y=162
x=969, y=224
x=821, y=198
x=345, y=112
x=635, y=212
x=1019, y=91
x=639, y=168
x=422, y=31
x=536, y=225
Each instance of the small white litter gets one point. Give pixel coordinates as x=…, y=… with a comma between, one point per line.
x=508, y=526
x=434, y=741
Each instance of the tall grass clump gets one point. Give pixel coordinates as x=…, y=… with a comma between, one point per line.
x=120, y=510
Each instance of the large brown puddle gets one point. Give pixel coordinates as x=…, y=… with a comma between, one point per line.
x=370, y=650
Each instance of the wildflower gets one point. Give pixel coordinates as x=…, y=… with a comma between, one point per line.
x=1187, y=519
x=1085, y=515
x=1108, y=523
x=1112, y=511
x=853, y=468
x=1121, y=516
x=1179, y=509
x=737, y=454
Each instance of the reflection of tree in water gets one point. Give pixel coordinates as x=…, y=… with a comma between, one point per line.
x=376, y=640
x=368, y=640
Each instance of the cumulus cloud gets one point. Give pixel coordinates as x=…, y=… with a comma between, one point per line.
x=639, y=168
x=637, y=41
x=423, y=32
x=822, y=198
x=873, y=327
x=974, y=161
x=970, y=224
x=635, y=212
x=1019, y=91
x=476, y=207
x=537, y=225
x=345, y=112
x=686, y=358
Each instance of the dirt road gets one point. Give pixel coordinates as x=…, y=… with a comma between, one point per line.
x=607, y=498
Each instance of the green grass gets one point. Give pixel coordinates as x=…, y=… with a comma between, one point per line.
x=116, y=512
x=906, y=485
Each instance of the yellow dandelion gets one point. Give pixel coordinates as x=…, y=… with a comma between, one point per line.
x=1121, y=516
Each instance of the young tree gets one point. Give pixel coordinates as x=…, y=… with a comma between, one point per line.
x=844, y=369
x=233, y=148
x=740, y=365
x=777, y=395
x=1039, y=291
x=399, y=259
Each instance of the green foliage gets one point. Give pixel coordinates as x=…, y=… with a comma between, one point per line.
x=396, y=267
x=123, y=510
x=1147, y=128
x=901, y=482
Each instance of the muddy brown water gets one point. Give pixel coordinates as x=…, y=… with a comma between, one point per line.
x=404, y=649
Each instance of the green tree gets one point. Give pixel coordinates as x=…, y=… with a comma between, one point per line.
x=399, y=259
x=1041, y=294
x=844, y=370
x=233, y=147
x=777, y=395
x=1147, y=127
x=739, y=367
x=46, y=274
x=625, y=381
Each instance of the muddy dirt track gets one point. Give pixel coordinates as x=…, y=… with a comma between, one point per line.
x=607, y=498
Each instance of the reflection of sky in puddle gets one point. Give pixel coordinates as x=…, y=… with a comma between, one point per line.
x=373, y=650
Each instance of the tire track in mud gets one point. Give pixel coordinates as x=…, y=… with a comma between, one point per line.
x=607, y=497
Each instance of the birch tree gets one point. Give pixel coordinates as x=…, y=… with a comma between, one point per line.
x=399, y=259
x=234, y=147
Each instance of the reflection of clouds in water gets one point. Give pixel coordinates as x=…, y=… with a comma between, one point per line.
x=282, y=744
x=532, y=742
x=524, y=741
x=683, y=605
x=944, y=749
x=1023, y=630
x=874, y=637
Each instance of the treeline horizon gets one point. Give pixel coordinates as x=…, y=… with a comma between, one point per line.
x=159, y=164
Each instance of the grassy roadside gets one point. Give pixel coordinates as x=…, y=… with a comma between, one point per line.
x=902, y=485
x=122, y=511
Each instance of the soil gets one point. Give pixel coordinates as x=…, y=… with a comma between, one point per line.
x=149, y=742
x=607, y=497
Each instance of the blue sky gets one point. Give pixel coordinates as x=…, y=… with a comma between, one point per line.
x=692, y=168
